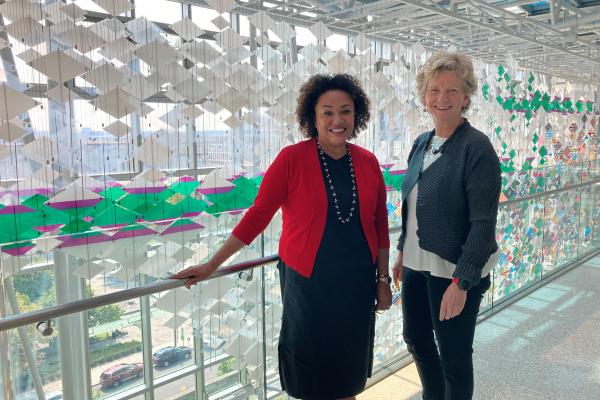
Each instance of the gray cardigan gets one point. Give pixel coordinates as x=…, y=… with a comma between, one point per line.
x=457, y=203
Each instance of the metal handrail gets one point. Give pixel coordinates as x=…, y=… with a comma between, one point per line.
x=14, y=321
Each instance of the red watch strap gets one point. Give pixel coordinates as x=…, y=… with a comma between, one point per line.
x=455, y=280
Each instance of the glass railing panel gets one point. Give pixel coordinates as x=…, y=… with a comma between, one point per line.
x=228, y=317
x=273, y=310
x=590, y=222
x=388, y=328
x=271, y=235
x=519, y=237
x=563, y=175
x=26, y=355
x=181, y=389
x=172, y=331
x=561, y=229
x=587, y=222
x=115, y=343
x=25, y=345
x=521, y=183
x=394, y=203
x=593, y=169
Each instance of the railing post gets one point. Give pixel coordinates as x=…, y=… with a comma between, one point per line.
x=5, y=378
x=199, y=351
x=264, y=391
x=146, y=325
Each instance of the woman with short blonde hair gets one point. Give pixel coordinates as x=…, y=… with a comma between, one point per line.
x=447, y=247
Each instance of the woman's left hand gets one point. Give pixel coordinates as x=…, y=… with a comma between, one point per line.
x=453, y=302
x=384, y=297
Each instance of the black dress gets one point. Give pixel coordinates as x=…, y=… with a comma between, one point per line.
x=328, y=322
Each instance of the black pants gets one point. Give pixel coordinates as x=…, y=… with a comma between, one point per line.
x=447, y=374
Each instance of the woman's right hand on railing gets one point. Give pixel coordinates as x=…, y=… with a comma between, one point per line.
x=195, y=274
x=398, y=270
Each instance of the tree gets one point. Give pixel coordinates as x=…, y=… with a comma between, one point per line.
x=104, y=314
x=225, y=367
x=35, y=285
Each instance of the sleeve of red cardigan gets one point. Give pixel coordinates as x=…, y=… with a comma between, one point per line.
x=381, y=214
x=271, y=195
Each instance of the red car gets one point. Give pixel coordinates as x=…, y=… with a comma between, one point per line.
x=118, y=374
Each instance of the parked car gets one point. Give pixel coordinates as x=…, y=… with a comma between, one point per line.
x=212, y=343
x=170, y=355
x=118, y=374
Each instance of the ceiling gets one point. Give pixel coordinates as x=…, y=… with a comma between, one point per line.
x=560, y=37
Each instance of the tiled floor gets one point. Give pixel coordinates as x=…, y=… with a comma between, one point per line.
x=545, y=346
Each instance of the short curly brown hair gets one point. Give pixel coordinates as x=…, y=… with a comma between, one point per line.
x=318, y=84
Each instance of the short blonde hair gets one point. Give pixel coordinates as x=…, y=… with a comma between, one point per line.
x=448, y=61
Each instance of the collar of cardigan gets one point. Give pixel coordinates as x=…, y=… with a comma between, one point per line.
x=457, y=132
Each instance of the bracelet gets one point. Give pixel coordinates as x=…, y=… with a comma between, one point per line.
x=384, y=279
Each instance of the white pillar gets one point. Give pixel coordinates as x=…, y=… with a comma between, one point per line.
x=72, y=331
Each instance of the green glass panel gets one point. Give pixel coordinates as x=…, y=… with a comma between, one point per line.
x=143, y=208
x=185, y=188
x=165, y=194
x=162, y=210
x=257, y=180
x=134, y=201
x=76, y=226
x=232, y=200
x=35, y=202
x=114, y=193
x=394, y=181
x=246, y=188
x=52, y=216
x=115, y=215
x=79, y=212
x=190, y=204
x=102, y=206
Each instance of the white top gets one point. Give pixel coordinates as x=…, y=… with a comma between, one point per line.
x=414, y=257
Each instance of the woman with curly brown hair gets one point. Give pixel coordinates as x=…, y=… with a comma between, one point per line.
x=334, y=246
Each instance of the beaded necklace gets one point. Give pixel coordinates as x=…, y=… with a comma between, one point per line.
x=329, y=185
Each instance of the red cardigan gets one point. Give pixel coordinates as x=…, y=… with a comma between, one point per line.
x=294, y=182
